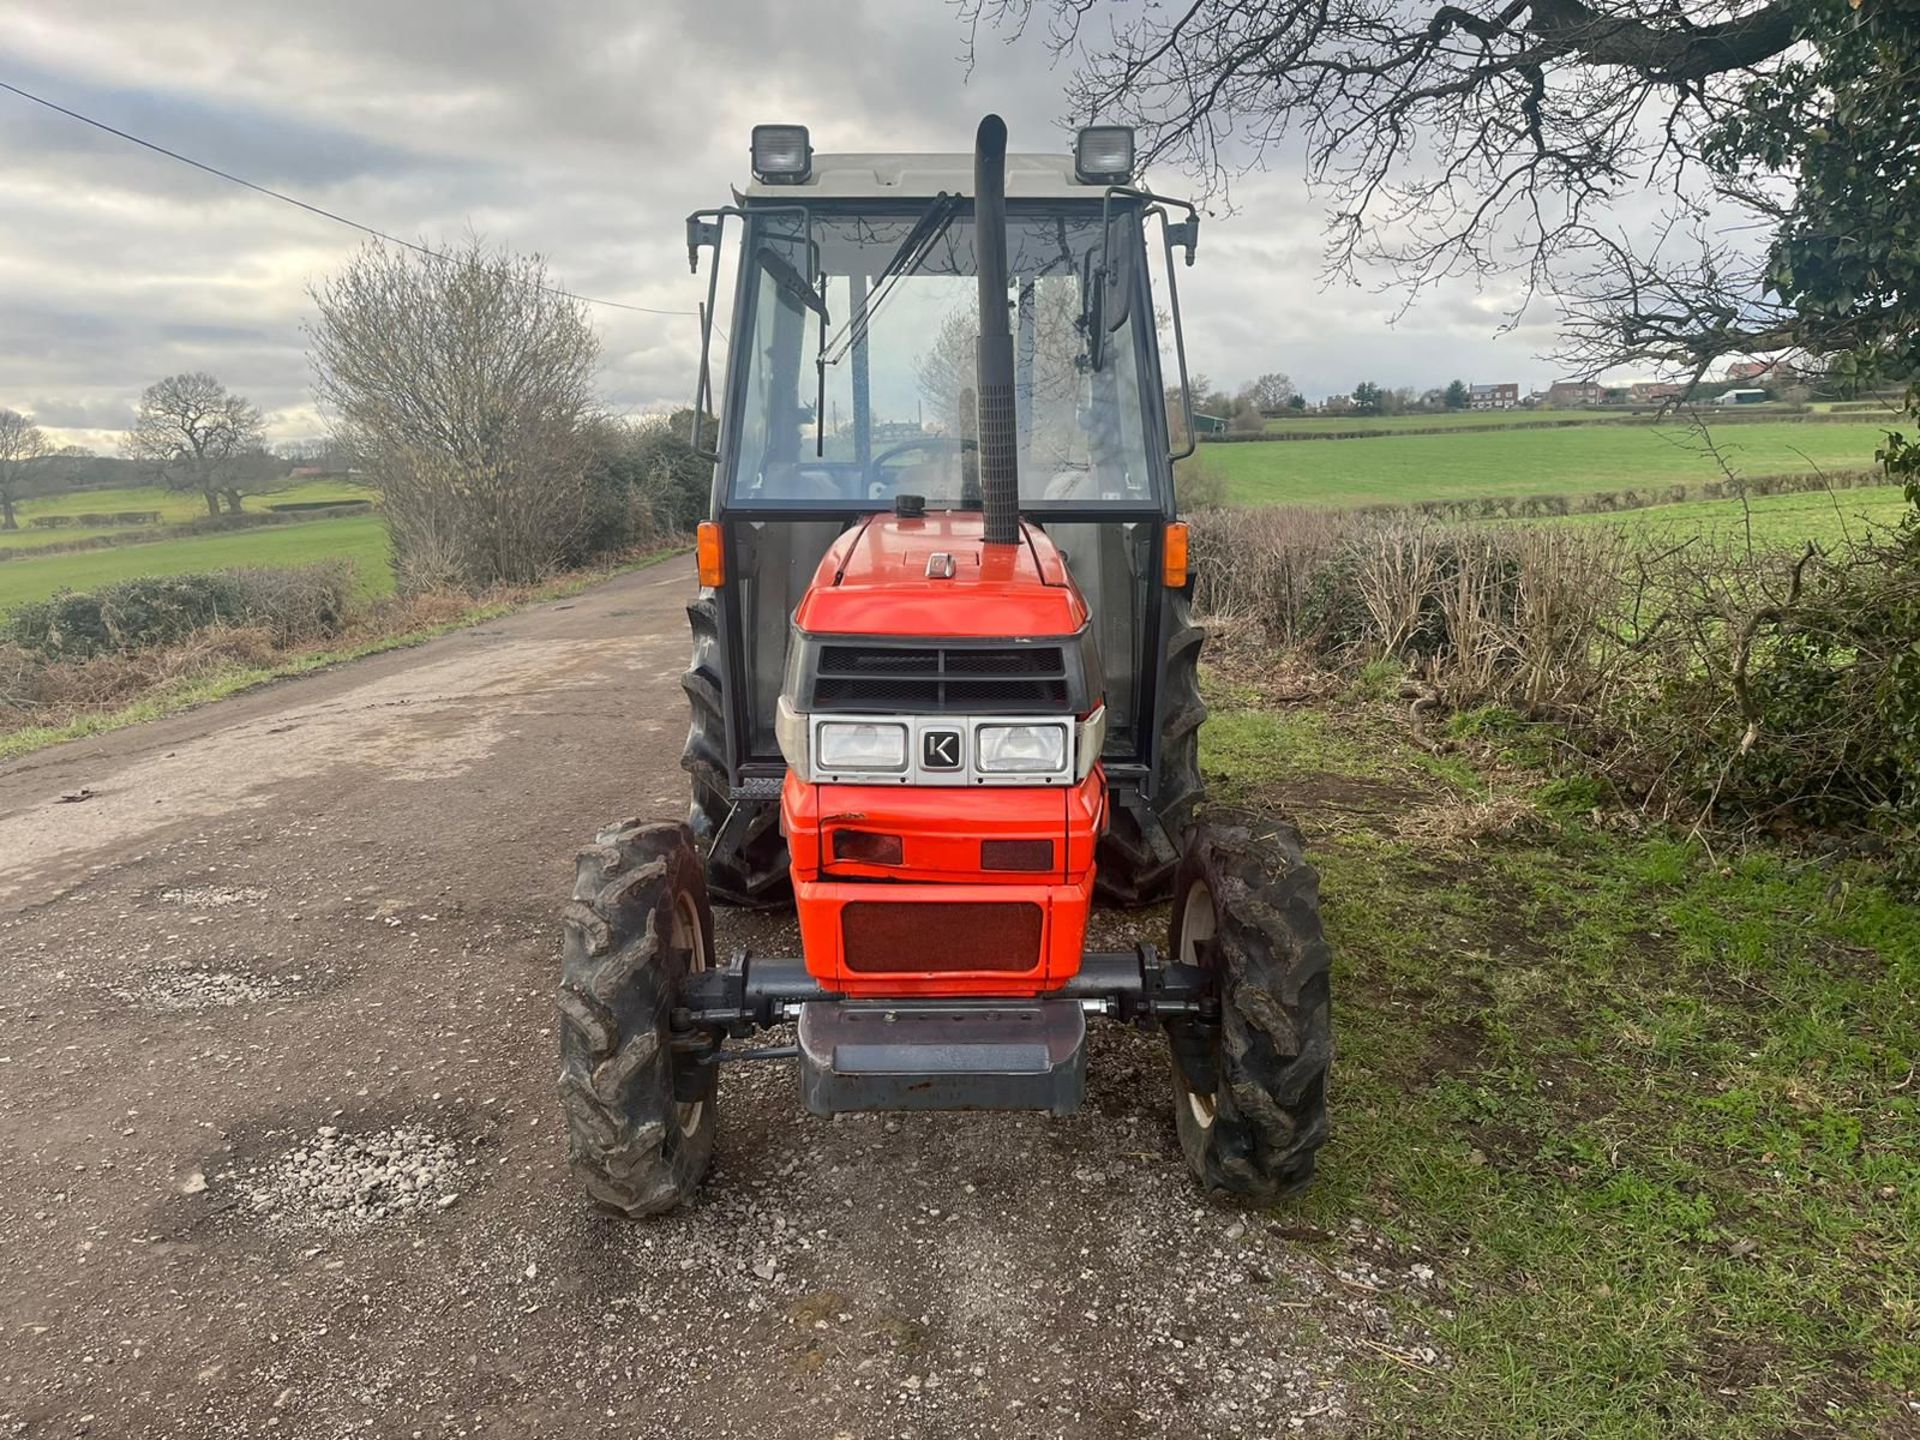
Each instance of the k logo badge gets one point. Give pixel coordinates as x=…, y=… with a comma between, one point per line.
x=940, y=749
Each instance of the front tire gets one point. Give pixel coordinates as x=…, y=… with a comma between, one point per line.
x=1250, y=1094
x=639, y=923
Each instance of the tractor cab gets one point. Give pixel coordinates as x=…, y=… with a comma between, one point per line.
x=850, y=391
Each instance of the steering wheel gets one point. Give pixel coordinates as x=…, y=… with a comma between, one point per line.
x=931, y=444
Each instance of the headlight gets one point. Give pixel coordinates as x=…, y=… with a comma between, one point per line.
x=861, y=745
x=1021, y=749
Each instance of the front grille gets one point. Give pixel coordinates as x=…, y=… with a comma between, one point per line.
x=890, y=936
x=941, y=678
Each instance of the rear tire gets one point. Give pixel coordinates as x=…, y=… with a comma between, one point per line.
x=1141, y=849
x=1247, y=906
x=746, y=861
x=638, y=924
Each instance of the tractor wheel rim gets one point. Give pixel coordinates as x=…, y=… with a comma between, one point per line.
x=1198, y=924
x=688, y=939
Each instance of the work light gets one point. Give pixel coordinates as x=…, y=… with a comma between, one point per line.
x=859, y=745
x=782, y=154
x=1103, y=155
x=1022, y=749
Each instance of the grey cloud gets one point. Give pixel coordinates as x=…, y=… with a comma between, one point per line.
x=269, y=146
x=585, y=131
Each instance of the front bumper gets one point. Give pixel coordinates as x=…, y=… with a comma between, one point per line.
x=942, y=1055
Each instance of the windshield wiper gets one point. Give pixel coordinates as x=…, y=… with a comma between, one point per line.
x=921, y=239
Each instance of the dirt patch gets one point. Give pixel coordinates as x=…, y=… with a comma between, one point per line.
x=1336, y=803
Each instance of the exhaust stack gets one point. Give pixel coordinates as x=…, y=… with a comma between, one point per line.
x=999, y=444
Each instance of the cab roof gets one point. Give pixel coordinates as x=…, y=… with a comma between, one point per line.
x=920, y=177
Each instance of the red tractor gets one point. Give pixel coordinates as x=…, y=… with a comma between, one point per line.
x=945, y=692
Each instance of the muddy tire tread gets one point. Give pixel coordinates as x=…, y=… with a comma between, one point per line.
x=618, y=981
x=1276, y=1036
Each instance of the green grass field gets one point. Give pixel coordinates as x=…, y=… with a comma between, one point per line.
x=173, y=505
x=1579, y=460
x=1773, y=520
x=359, y=538
x=1646, y=1108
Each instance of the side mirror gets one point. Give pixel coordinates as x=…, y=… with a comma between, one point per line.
x=1116, y=272
x=1108, y=289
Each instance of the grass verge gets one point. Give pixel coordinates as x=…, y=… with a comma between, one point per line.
x=228, y=680
x=1649, y=1109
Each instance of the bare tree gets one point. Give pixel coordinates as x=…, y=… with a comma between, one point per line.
x=1054, y=383
x=462, y=382
x=1270, y=392
x=22, y=446
x=1474, y=137
x=194, y=434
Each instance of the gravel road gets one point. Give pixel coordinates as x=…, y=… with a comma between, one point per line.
x=281, y=1154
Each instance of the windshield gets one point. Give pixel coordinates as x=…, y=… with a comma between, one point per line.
x=895, y=414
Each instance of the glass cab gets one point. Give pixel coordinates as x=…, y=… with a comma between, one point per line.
x=850, y=382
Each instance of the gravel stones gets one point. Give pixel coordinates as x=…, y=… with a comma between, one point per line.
x=175, y=991
x=213, y=897
x=346, y=1182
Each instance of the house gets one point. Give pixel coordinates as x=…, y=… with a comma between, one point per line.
x=1569, y=393
x=1748, y=396
x=1748, y=370
x=1209, y=424
x=1494, y=397
x=1655, y=392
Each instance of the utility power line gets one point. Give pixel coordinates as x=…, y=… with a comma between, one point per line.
x=300, y=204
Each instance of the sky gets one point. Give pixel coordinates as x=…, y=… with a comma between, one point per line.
x=584, y=131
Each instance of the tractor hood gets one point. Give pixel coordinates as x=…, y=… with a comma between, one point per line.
x=886, y=577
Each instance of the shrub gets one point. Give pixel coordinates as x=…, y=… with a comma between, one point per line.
x=462, y=382
x=143, y=614
x=645, y=484
x=1716, y=678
